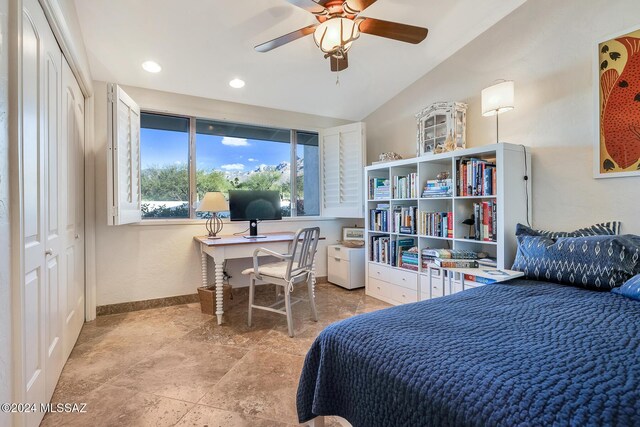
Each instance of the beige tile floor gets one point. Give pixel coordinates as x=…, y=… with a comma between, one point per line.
x=174, y=366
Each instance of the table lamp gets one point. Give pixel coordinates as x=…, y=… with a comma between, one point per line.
x=213, y=202
x=498, y=99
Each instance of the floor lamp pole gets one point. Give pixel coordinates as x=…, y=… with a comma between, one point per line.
x=497, y=129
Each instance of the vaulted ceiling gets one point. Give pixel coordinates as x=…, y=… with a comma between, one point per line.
x=203, y=44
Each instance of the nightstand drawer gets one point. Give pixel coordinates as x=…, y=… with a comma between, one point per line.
x=338, y=271
x=340, y=252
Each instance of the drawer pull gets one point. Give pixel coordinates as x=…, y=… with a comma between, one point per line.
x=378, y=287
x=337, y=259
x=337, y=248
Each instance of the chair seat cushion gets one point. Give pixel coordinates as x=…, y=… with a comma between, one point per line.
x=272, y=269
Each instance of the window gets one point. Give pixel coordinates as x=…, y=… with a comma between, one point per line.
x=164, y=166
x=224, y=156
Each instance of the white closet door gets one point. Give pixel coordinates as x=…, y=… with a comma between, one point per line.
x=41, y=340
x=73, y=159
x=342, y=162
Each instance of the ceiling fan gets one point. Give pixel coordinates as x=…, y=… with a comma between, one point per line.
x=339, y=24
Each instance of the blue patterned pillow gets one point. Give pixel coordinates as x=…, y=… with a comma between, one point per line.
x=593, y=262
x=603, y=229
x=630, y=289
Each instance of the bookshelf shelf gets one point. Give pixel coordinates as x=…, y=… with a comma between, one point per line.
x=435, y=198
x=486, y=182
x=474, y=197
x=477, y=242
x=426, y=236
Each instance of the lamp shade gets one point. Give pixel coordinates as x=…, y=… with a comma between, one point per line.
x=335, y=33
x=213, y=202
x=498, y=98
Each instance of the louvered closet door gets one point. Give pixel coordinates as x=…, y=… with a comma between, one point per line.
x=342, y=164
x=73, y=158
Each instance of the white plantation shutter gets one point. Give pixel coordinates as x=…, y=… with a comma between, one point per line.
x=123, y=160
x=342, y=159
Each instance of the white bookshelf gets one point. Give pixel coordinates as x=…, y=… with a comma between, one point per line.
x=397, y=285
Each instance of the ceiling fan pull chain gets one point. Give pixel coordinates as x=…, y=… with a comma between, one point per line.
x=338, y=77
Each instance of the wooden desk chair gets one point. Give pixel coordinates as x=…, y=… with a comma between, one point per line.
x=296, y=267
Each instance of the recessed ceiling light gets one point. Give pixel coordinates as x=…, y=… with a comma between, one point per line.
x=236, y=83
x=151, y=66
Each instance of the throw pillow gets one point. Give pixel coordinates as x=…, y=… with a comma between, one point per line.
x=593, y=262
x=630, y=289
x=602, y=229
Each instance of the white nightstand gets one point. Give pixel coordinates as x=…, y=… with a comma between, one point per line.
x=345, y=266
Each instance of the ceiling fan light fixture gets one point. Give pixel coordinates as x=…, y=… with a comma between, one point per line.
x=336, y=34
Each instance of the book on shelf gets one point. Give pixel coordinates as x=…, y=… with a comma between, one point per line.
x=405, y=187
x=379, y=188
x=488, y=262
x=490, y=276
x=380, y=249
x=476, y=177
x=455, y=263
x=398, y=247
x=405, y=219
x=438, y=188
x=437, y=224
x=378, y=220
x=409, y=258
x=485, y=221
x=449, y=253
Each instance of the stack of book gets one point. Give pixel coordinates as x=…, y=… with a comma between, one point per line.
x=476, y=178
x=399, y=246
x=405, y=219
x=438, y=188
x=409, y=259
x=485, y=223
x=488, y=262
x=449, y=258
x=380, y=249
x=405, y=187
x=437, y=224
x=378, y=218
x=379, y=188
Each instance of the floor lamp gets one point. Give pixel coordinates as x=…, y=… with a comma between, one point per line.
x=498, y=99
x=213, y=202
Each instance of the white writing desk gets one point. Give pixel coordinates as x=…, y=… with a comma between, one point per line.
x=233, y=247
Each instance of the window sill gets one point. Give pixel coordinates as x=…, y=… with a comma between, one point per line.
x=191, y=221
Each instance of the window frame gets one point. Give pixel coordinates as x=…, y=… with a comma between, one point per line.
x=192, y=169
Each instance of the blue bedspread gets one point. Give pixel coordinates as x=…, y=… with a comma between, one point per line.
x=523, y=354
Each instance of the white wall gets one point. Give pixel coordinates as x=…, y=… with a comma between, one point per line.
x=139, y=262
x=5, y=295
x=547, y=47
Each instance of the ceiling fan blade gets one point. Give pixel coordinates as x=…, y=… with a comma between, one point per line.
x=359, y=5
x=309, y=6
x=393, y=30
x=287, y=38
x=339, y=64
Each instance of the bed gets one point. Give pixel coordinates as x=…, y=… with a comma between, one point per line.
x=526, y=353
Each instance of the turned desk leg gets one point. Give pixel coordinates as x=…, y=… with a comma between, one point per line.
x=219, y=295
x=203, y=268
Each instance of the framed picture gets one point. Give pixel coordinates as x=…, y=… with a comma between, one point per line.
x=352, y=233
x=617, y=142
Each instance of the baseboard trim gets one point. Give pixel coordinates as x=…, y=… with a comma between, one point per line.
x=126, y=307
